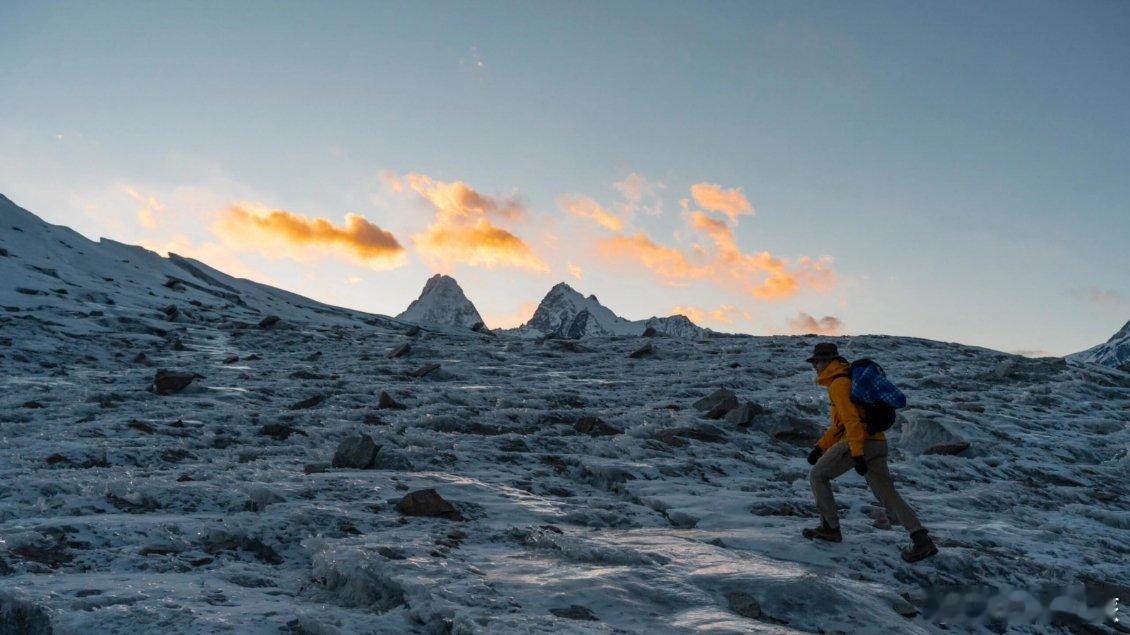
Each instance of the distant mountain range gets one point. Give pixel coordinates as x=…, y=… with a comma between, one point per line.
x=108, y=285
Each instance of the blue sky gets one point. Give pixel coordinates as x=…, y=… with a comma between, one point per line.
x=963, y=165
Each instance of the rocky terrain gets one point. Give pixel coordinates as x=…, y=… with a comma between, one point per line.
x=182, y=451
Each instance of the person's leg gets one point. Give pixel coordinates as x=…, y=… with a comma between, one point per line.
x=832, y=463
x=883, y=486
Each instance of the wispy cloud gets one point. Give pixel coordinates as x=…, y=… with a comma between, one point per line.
x=252, y=225
x=585, y=207
x=640, y=195
x=1099, y=296
x=150, y=208
x=462, y=230
x=576, y=271
x=804, y=324
x=715, y=198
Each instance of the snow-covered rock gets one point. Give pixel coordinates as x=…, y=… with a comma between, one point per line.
x=442, y=303
x=1114, y=352
x=564, y=312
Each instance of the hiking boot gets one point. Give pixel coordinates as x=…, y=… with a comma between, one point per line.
x=824, y=532
x=922, y=548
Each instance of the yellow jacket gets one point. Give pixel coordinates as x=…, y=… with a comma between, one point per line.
x=847, y=419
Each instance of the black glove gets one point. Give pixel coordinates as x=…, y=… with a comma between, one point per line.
x=860, y=465
x=814, y=455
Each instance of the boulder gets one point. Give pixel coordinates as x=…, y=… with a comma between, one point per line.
x=743, y=415
x=708, y=402
x=279, y=431
x=413, y=330
x=355, y=452
x=575, y=612
x=309, y=402
x=261, y=497
x=400, y=351
x=670, y=437
x=386, y=402
x=269, y=321
x=744, y=604
x=167, y=382
x=595, y=427
x=646, y=350
x=922, y=430
x=427, y=502
x=649, y=332
x=722, y=408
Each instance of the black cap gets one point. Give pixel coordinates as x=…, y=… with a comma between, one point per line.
x=823, y=351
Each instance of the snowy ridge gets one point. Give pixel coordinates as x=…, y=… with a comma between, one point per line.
x=217, y=507
x=1115, y=352
x=442, y=303
x=566, y=313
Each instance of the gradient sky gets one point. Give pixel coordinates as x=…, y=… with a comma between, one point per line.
x=963, y=166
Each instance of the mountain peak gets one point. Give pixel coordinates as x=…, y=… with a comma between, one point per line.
x=442, y=303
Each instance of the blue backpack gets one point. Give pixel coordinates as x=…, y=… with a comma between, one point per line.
x=875, y=395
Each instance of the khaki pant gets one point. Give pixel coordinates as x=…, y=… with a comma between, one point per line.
x=837, y=460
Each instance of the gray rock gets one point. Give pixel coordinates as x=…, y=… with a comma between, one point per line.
x=951, y=449
x=424, y=370
x=595, y=427
x=722, y=408
x=708, y=402
x=261, y=497
x=575, y=612
x=427, y=502
x=743, y=415
x=922, y=430
x=309, y=402
x=744, y=604
x=386, y=402
x=167, y=382
x=646, y=350
x=355, y=452
x=269, y=321
x=400, y=351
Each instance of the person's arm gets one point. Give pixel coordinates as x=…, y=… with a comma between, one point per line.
x=829, y=439
x=854, y=429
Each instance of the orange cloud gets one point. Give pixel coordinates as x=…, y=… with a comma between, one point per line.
x=150, y=206
x=761, y=274
x=715, y=198
x=462, y=231
x=585, y=207
x=724, y=314
x=805, y=324
x=576, y=271
x=251, y=224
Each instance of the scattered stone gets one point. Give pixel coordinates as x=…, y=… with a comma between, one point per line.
x=231, y=360
x=261, y=497
x=33, y=405
x=167, y=382
x=52, y=553
x=386, y=402
x=141, y=427
x=704, y=432
x=400, y=351
x=575, y=612
x=309, y=402
x=280, y=431
x=744, y=604
x=670, y=437
x=413, y=330
x=743, y=415
x=649, y=332
x=56, y=458
x=355, y=452
x=951, y=449
x=708, y=402
x=644, y=351
x=735, y=365
x=722, y=408
x=140, y=358
x=424, y=370
x=269, y=321
x=392, y=553
x=315, y=468
x=595, y=427
x=427, y=502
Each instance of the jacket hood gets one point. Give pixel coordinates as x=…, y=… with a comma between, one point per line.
x=835, y=367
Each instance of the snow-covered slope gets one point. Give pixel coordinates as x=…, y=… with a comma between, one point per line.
x=107, y=286
x=1114, y=352
x=442, y=303
x=217, y=508
x=566, y=313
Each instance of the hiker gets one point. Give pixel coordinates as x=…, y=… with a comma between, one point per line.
x=848, y=444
